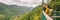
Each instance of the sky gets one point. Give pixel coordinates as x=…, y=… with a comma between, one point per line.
x=27, y=3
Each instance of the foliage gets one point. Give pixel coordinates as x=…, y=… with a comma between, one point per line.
x=55, y=4
x=2, y=17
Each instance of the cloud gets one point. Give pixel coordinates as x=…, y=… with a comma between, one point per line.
x=27, y=3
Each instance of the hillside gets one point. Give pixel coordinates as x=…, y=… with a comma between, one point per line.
x=13, y=10
x=35, y=14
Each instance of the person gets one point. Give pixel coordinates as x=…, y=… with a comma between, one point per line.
x=46, y=12
x=46, y=9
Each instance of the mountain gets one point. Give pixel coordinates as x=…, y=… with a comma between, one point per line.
x=13, y=10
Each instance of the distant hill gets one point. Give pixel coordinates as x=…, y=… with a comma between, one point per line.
x=13, y=10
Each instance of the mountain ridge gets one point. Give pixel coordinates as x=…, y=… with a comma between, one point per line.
x=13, y=10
